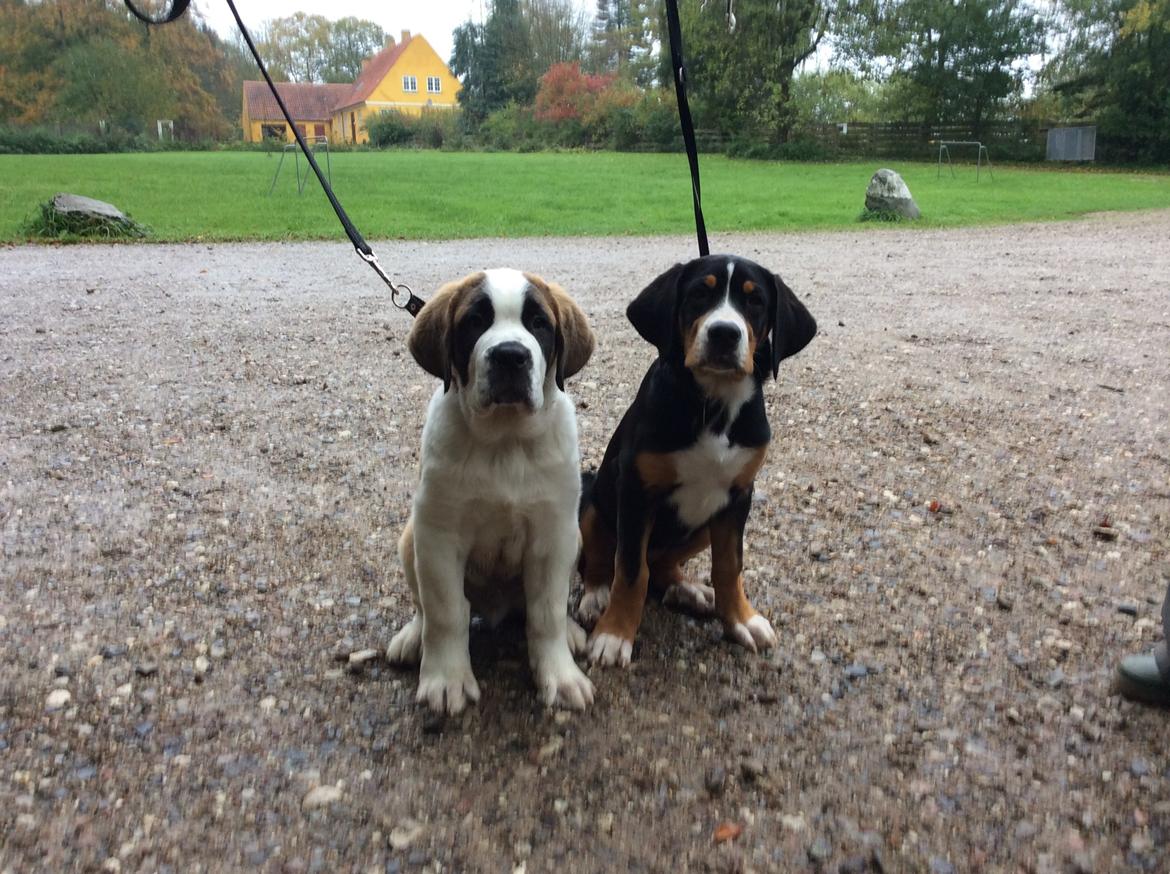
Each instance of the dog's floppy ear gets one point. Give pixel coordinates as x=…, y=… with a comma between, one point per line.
x=575, y=340
x=793, y=326
x=574, y=337
x=430, y=335
x=653, y=313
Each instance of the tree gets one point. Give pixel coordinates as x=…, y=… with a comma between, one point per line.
x=741, y=78
x=351, y=41
x=625, y=33
x=295, y=48
x=101, y=82
x=1112, y=70
x=556, y=32
x=953, y=62
x=494, y=62
x=79, y=62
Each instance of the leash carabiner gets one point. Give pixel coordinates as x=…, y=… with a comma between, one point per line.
x=400, y=294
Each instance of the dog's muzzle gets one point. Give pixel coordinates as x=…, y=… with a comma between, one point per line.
x=722, y=346
x=509, y=374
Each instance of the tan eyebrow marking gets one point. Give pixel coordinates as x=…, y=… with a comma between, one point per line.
x=710, y=280
x=749, y=287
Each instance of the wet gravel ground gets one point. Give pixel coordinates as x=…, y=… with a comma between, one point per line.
x=207, y=454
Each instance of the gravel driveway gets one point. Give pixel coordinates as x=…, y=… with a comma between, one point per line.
x=207, y=454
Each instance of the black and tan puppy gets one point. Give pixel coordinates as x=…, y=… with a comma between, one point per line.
x=677, y=475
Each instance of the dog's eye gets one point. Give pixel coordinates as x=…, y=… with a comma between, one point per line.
x=474, y=321
x=540, y=322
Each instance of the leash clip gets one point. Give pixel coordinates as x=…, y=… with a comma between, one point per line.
x=400, y=294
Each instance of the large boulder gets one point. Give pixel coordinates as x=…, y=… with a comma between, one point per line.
x=75, y=215
x=888, y=195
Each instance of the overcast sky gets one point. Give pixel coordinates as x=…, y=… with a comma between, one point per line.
x=434, y=19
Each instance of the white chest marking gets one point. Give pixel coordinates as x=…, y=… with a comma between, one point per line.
x=706, y=472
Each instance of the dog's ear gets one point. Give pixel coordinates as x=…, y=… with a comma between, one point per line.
x=575, y=340
x=653, y=313
x=430, y=340
x=574, y=337
x=793, y=326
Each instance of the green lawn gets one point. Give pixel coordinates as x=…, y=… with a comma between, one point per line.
x=435, y=195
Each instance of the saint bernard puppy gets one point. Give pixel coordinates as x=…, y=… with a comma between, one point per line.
x=493, y=528
x=677, y=476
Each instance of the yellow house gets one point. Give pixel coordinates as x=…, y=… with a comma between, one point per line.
x=407, y=76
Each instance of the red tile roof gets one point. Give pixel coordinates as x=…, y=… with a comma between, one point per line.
x=306, y=101
x=373, y=73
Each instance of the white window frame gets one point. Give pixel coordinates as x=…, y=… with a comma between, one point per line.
x=410, y=84
x=438, y=83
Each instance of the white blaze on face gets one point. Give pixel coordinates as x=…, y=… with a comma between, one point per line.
x=507, y=289
x=725, y=314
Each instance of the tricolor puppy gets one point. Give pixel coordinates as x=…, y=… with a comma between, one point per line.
x=494, y=523
x=677, y=475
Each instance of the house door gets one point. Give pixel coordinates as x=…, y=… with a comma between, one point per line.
x=352, y=129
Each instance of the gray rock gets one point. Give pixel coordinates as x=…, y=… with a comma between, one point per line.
x=887, y=193
x=85, y=216
x=75, y=203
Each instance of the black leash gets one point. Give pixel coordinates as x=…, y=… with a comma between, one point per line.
x=400, y=294
x=684, y=115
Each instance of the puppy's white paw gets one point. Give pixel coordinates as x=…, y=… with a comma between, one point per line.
x=578, y=639
x=592, y=605
x=561, y=683
x=690, y=597
x=610, y=650
x=447, y=691
x=406, y=646
x=755, y=634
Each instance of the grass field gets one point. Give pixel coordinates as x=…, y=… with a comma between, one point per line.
x=437, y=195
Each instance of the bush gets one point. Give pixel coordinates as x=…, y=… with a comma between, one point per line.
x=759, y=149
x=390, y=128
x=512, y=128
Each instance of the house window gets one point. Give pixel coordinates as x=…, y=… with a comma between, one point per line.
x=434, y=85
x=410, y=83
x=272, y=131
x=301, y=128
x=318, y=130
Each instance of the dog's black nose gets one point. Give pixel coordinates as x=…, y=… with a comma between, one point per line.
x=510, y=356
x=723, y=337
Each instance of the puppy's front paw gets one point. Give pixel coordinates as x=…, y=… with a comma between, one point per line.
x=609, y=650
x=561, y=683
x=592, y=605
x=754, y=634
x=447, y=691
x=406, y=646
x=578, y=639
x=690, y=598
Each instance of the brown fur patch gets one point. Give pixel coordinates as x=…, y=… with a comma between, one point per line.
x=657, y=470
x=731, y=604
x=429, y=339
x=749, y=287
x=627, y=599
x=572, y=324
x=690, y=344
x=710, y=280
